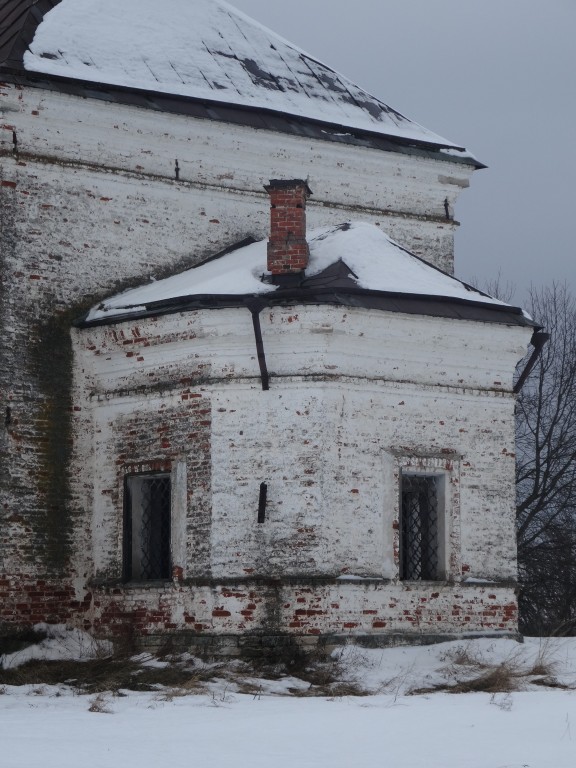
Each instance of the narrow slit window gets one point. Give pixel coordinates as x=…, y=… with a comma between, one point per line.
x=147, y=504
x=262, y=503
x=419, y=528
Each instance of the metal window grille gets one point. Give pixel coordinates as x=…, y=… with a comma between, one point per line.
x=147, y=527
x=419, y=528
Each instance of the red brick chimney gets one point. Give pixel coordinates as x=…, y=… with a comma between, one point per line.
x=288, y=250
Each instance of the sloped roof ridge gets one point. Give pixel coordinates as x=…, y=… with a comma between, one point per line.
x=310, y=56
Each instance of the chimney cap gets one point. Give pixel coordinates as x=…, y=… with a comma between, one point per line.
x=287, y=184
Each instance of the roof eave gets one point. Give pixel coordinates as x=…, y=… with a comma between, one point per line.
x=250, y=116
x=401, y=303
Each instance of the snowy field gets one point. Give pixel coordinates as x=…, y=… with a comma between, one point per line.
x=531, y=726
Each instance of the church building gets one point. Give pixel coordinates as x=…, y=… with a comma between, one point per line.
x=244, y=395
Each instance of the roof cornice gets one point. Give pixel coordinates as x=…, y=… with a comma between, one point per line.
x=247, y=116
x=452, y=307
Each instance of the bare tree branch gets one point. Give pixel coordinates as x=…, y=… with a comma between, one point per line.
x=546, y=470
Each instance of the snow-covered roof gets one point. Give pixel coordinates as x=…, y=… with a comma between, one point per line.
x=206, y=49
x=369, y=259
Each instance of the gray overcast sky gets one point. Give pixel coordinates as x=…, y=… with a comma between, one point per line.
x=497, y=76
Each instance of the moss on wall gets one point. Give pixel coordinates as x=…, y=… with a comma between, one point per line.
x=51, y=360
x=51, y=363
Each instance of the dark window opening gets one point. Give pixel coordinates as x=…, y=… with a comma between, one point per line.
x=419, y=516
x=147, y=527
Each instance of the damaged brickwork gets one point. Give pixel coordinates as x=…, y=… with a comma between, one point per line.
x=309, y=609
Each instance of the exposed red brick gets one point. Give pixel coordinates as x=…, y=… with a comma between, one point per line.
x=288, y=250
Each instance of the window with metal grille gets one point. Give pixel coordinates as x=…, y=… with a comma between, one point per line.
x=419, y=525
x=147, y=527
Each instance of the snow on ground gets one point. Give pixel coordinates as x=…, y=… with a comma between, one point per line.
x=443, y=731
x=60, y=643
x=532, y=728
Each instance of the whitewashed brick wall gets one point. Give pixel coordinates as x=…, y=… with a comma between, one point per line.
x=355, y=395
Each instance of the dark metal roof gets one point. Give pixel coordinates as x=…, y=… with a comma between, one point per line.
x=18, y=22
x=333, y=286
x=20, y=18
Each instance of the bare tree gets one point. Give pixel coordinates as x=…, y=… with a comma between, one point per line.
x=546, y=471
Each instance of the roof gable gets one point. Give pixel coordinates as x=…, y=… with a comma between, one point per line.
x=206, y=50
